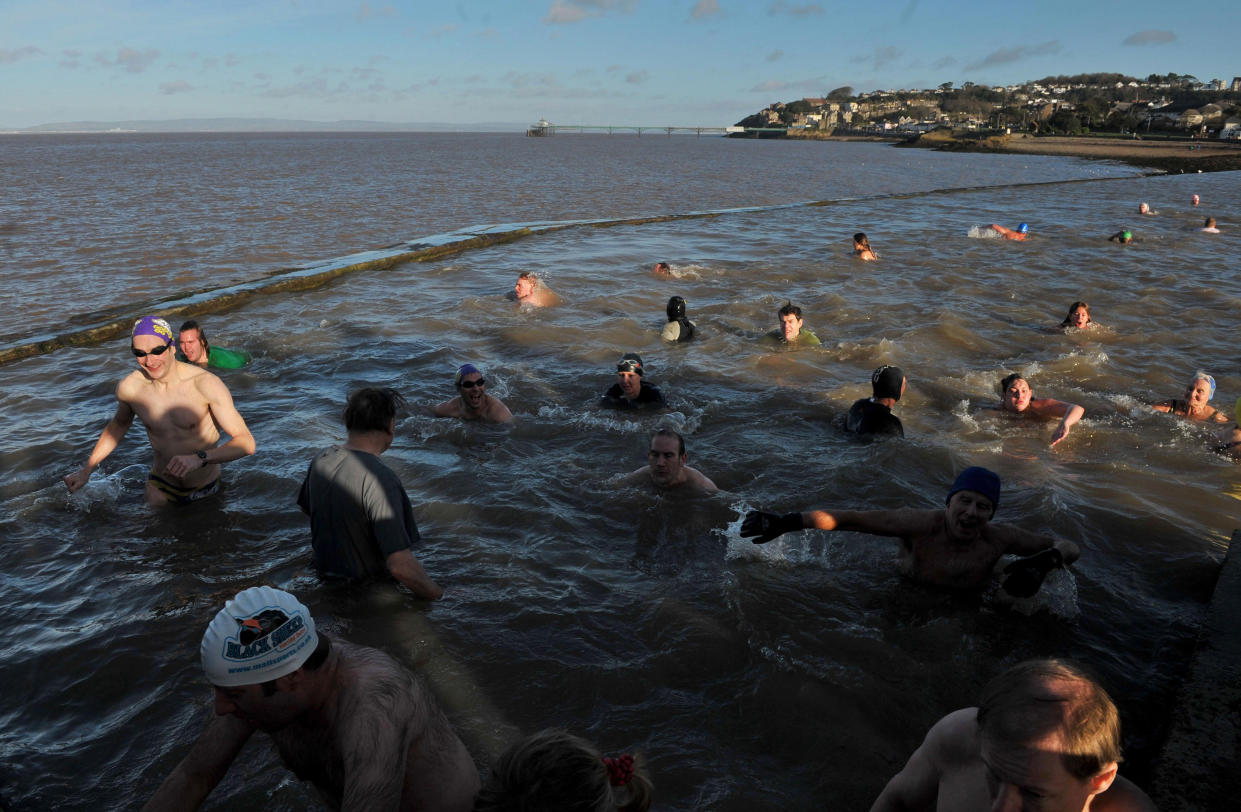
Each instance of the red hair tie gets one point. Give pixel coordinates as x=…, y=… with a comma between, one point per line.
x=620, y=770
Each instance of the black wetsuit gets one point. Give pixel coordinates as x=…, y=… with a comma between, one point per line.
x=649, y=397
x=868, y=417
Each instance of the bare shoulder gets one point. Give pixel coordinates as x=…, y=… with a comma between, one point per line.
x=373, y=684
x=953, y=740
x=1123, y=796
x=131, y=386
x=701, y=481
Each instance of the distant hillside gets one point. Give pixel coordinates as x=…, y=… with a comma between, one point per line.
x=253, y=125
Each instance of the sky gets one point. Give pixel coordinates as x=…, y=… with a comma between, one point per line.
x=591, y=62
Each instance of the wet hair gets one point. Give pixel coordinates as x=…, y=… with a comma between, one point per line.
x=193, y=325
x=1007, y=380
x=1068, y=320
x=1032, y=700
x=533, y=277
x=555, y=771
x=1210, y=223
x=861, y=240
x=372, y=409
x=667, y=432
x=790, y=309
x=317, y=658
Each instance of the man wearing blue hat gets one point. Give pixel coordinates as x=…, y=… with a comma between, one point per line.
x=186, y=411
x=956, y=547
x=472, y=401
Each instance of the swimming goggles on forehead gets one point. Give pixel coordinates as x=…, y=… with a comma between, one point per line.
x=629, y=366
x=160, y=350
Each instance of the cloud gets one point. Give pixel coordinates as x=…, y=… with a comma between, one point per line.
x=1150, y=36
x=231, y=60
x=944, y=62
x=909, y=10
x=814, y=84
x=1005, y=56
x=443, y=30
x=132, y=60
x=7, y=57
x=704, y=9
x=879, y=58
x=71, y=59
x=365, y=12
x=781, y=7
x=775, y=56
x=179, y=86
x=574, y=11
x=637, y=77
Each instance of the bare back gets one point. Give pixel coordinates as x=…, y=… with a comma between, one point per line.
x=381, y=723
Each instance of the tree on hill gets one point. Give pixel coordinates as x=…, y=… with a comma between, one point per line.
x=840, y=94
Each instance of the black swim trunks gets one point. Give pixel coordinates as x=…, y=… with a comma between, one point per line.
x=177, y=495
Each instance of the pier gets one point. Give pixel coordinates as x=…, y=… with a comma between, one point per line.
x=545, y=128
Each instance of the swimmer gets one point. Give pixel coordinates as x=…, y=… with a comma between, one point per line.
x=861, y=247
x=472, y=401
x=873, y=415
x=1194, y=407
x=184, y=409
x=555, y=770
x=1017, y=399
x=1145, y=209
x=1194, y=200
x=1232, y=446
x=1009, y=234
x=666, y=466
x=1045, y=736
x=1209, y=226
x=955, y=547
x=663, y=269
x=350, y=719
x=531, y=291
x=678, y=328
x=791, y=328
x=192, y=341
x=1124, y=237
x=630, y=391
x=1079, y=317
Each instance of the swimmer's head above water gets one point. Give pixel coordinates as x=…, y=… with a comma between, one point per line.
x=1079, y=316
x=676, y=308
x=790, y=321
x=152, y=326
x=260, y=635
x=1023, y=228
x=1015, y=393
x=978, y=480
x=887, y=382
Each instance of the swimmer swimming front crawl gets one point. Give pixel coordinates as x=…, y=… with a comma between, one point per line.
x=1009, y=234
x=1018, y=399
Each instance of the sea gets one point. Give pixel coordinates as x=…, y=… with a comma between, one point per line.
x=796, y=675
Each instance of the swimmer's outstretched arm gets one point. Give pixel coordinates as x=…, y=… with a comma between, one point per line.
x=108, y=440
x=192, y=780
x=1019, y=541
x=900, y=523
x=1069, y=413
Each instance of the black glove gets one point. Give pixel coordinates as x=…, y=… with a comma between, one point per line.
x=1025, y=575
x=766, y=526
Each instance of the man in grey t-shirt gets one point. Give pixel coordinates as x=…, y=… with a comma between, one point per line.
x=361, y=522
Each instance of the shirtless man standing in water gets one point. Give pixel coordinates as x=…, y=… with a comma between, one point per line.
x=348, y=718
x=956, y=547
x=184, y=409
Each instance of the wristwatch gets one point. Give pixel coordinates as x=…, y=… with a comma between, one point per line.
x=202, y=455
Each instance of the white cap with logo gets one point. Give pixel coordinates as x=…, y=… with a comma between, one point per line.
x=260, y=635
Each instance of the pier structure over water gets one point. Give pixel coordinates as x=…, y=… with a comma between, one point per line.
x=546, y=128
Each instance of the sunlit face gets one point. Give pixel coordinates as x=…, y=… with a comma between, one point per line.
x=1080, y=317
x=1016, y=396
x=1032, y=778
x=665, y=459
x=1143, y=208
x=630, y=384
x=790, y=326
x=248, y=703
x=191, y=346
x=473, y=394
x=155, y=366
x=1198, y=393
x=524, y=287
x=968, y=514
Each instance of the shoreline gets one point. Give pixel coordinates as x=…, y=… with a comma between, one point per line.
x=1170, y=157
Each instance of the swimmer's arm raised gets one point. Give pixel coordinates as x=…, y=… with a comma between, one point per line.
x=409, y=571
x=875, y=522
x=192, y=780
x=108, y=440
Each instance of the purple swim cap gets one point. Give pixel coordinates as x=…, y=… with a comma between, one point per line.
x=152, y=326
x=466, y=369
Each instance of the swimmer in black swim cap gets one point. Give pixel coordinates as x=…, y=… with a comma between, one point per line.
x=678, y=328
x=873, y=415
x=630, y=391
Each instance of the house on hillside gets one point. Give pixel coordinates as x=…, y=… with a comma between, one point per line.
x=1231, y=131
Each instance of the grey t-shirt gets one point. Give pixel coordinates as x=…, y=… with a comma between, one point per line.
x=359, y=513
